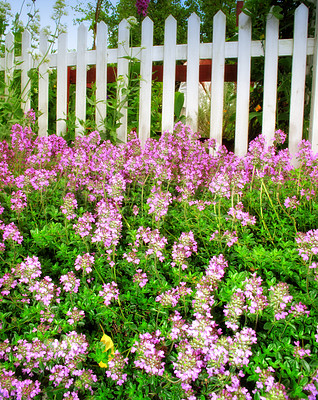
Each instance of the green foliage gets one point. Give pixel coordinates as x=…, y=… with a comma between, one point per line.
x=158, y=11
x=265, y=248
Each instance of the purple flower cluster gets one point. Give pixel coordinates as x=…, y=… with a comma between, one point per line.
x=291, y=202
x=28, y=270
x=179, y=327
x=7, y=282
x=307, y=244
x=220, y=185
x=69, y=204
x=267, y=386
x=153, y=240
x=279, y=297
x=142, y=6
x=140, y=278
x=203, y=297
x=159, y=202
x=109, y=292
x=21, y=138
x=84, y=224
x=60, y=358
x=298, y=310
x=253, y=292
x=18, y=201
x=300, y=352
x=11, y=232
x=29, y=116
x=75, y=315
x=148, y=353
x=183, y=249
x=312, y=386
x=108, y=225
x=233, y=391
x=234, y=309
x=11, y=387
x=169, y=298
x=239, y=215
x=84, y=263
x=279, y=137
x=115, y=368
x=69, y=282
x=189, y=364
x=116, y=187
x=45, y=291
x=228, y=237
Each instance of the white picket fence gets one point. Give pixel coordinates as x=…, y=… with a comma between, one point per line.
x=298, y=47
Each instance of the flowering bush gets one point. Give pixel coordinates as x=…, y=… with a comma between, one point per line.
x=202, y=269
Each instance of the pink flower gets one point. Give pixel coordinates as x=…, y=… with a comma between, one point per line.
x=85, y=263
x=70, y=203
x=140, y=278
x=109, y=292
x=70, y=283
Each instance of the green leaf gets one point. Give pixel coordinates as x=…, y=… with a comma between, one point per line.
x=178, y=104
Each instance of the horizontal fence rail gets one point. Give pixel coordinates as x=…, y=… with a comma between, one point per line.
x=242, y=51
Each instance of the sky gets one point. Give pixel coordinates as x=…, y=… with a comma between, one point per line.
x=46, y=10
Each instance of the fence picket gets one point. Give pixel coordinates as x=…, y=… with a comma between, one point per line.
x=122, y=77
x=43, y=93
x=8, y=61
x=101, y=75
x=169, y=74
x=270, y=78
x=25, y=67
x=243, y=85
x=217, y=79
x=146, y=80
x=296, y=116
x=313, y=127
x=194, y=51
x=61, y=85
x=193, y=62
x=81, y=78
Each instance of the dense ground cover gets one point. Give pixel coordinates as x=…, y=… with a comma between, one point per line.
x=195, y=269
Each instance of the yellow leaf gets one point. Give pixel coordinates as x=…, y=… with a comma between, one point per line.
x=109, y=345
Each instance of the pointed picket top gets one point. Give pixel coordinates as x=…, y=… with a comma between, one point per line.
x=123, y=34
x=9, y=41
x=81, y=34
x=193, y=19
x=219, y=16
x=170, y=20
x=101, y=26
x=147, y=23
x=301, y=10
x=244, y=21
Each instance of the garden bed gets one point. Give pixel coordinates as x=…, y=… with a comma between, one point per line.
x=177, y=271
